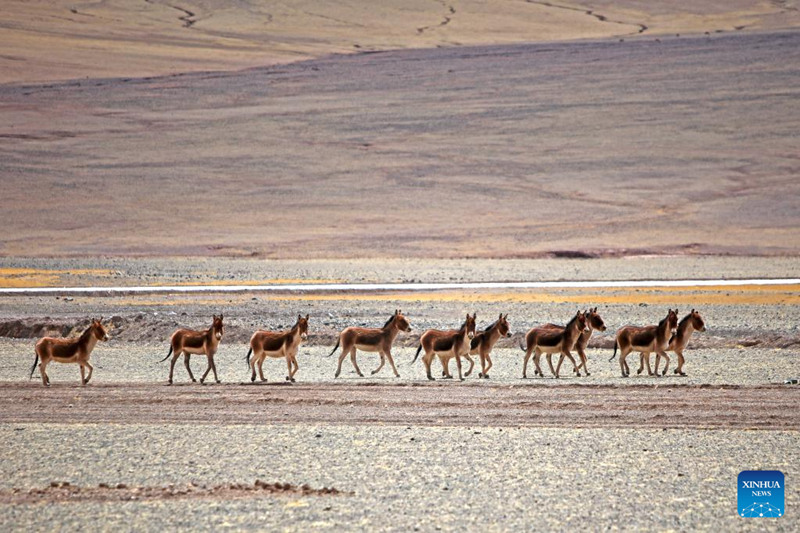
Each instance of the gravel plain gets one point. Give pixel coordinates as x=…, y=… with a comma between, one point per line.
x=598, y=452
x=402, y=478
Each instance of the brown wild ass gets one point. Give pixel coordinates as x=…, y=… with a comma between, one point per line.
x=645, y=340
x=450, y=343
x=481, y=345
x=265, y=344
x=549, y=340
x=188, y=341
x=69, y=351
x=595, y=322
x=371, y=340
x=691, y=322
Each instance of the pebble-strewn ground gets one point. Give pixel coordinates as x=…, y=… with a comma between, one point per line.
x=402, y=477
x=441, y=471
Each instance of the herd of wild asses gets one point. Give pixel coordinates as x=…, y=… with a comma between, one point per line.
x=669, y=335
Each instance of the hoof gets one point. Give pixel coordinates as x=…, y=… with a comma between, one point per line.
x=293, y=380
x=638, y=371
x=461, y=379
x=486, y=376
x=218, y=380
x=195, y=381
x=253, y=379
x=467, y=374
x=202, y=382
x=169, y=382
x=588, y=374
x=430, y=378
x=447, y=377
x=664, y=373
x=288, y=378
x=480, y=374
x=360, y=375
x=373, y=372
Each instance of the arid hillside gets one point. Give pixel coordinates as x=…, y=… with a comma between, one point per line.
x=677, y=145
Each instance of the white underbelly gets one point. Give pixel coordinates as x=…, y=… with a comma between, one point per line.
x=368, y=348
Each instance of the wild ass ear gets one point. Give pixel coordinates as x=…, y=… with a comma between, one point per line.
x=501, y=316
x=475, y=314
x=307, y=315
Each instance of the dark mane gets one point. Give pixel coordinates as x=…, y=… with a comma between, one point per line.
x=86, y=333
x=571, y=321
x=389, y=321
x=685, y=319
x=493, y=325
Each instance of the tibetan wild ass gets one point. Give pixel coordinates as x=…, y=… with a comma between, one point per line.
x=69, y=351
x=549, y=340
x=450, y=343
x=187, y=341
x=265, y=344
x=371, y=340
x=645, y=340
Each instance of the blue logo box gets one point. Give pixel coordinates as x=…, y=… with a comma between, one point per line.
x=761, y=494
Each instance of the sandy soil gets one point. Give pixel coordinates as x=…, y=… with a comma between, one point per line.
x=506, y=151
x=401, y=477
x=45, y=40
x=669, y=405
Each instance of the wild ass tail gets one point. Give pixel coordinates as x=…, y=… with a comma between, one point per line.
x=33, y=368
x=338, y=340
x=417, y=354
x=167, y=357
x=247, y=357
x=615, y=351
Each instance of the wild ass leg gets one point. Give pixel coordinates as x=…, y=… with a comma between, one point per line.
x=681, y=360
x=383, y=362
x=582, y=355
x=666, y=365
x=188, y=368
x=295, y=365
x=488, y=366
x=208, y=369
x=623, y=365
x=261, y=359
x=83, y=373
x=471, y=365
x=458, y=364
x=445, y=367
x=91, y=369
x=525, y=364
x=647, y=360
x=43, y=370
x=341, y=358
x=355, y=363
x=175, y=355
x=289, y=368
x=572, y=360
x=428, y=359
x=214, y=368
x=550, y=363
x=388, y=354
x=537, y=354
